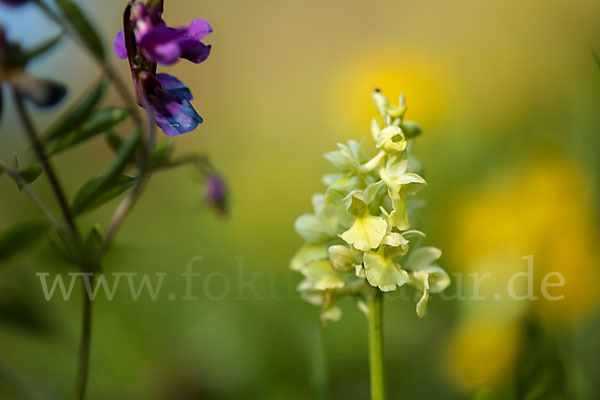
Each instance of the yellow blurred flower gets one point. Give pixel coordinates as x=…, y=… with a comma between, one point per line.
x=396, y=70
x=543, y=209
x=482, y=353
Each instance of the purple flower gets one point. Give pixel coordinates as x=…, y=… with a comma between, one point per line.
x=170, y=102
x=42, y=92
x=215, y=192
x=146, y=41
x=162, y=44
x=13, y=3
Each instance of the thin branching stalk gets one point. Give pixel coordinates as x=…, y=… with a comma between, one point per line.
x=45, y=163
x=33, y=195
x=83, y=365
x=132, y=197
x=376, y=345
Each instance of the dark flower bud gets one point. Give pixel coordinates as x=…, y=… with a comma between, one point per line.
x=42, y=92
x=13, y=3
x=149, y=83
x=215, y=193
x=2, y=40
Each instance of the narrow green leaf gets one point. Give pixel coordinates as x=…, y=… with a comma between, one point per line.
x=36, y=51
x=78, y=113
x=124, y=155
x=93, y=244
x=97, y=123
x=110, y=182
x=91, y=197
x=83, y=27
x=596, y=57
x=20, y=312
x=113, y=139
x=19, y=237
x=30, y=174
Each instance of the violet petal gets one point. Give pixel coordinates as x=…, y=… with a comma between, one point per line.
x=119, y=45
x=161, y=44
x=174, y=86
x=198, y=29
x=194, y=51
x=174, y=114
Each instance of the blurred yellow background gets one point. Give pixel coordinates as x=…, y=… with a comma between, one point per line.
x=507, y=93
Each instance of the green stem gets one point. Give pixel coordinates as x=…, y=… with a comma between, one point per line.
x=14, y=174
x=82, y=373
x=45, y=162
x=376, y=345
x=84, y=346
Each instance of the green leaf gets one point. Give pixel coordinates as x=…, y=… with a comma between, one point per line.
x=83, y=27
x=125, y=154
x=596, y=57
x=19, y=237
x=30, y=174
x=106, y=186
x=36, y=51
x=93, y=245
x=162, y=154
x=97, y=123
x=113, y=139
x=96, y=192
x=78, y=113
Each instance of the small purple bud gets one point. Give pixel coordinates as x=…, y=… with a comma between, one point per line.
x=43, y=93
x=149, y=83
x=215, y=193
x=2, y=41
x=13, y=3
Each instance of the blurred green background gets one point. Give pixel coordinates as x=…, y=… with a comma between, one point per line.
x=508, y=95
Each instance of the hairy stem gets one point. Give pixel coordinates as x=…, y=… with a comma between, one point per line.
x=376, y=345
x=45, y=162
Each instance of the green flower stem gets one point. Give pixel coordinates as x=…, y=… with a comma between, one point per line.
x=131, y=199
x=376, y=345
x=84, y=346
x=199, y=160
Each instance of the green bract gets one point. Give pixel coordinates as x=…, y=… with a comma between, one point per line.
x=359, y=233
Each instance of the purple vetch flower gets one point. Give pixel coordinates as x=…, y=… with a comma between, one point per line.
x=42, y=92
x=146, y=41
x=170, y=102
x=215, y=192
x=162, y=44
x=13, y=3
